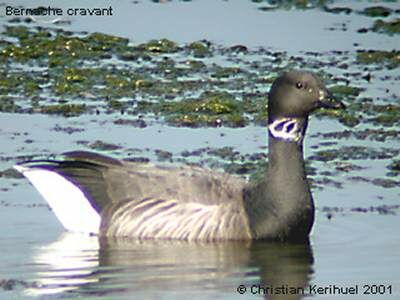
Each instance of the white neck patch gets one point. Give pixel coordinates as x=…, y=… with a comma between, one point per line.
x=287, y=129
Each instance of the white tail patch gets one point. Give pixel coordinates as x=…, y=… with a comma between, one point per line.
x=67, y=201
x=287, y=129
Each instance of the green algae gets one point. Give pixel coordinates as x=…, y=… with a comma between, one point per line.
x=379, y=114
x=100, y=145
x=104, y=42
x=387, y=118
x=19, y=83
x=245, y=168
x=229, y=160
x=159, y=46
x=363, y=111
x=10, y=173
x=381, y=209
x=345, y=153
x=59, y=48
x=200, y=49
x=345, y=90
x=210, y=103
x=106, y=83
x=227, y=153
x=131, y=54
x=291, y=4
x=379, y=135
x=376, y=11
x=159, y=78
x=390, y=58
x=209, y=109
x=349, y=119
x=19, y=32
x=67, y=110
x=338, y=10
x=163, y=155
x=394, y=168
x=347, y=167
x=115, y=104
x=261, y=118
x=388, y=27
x=135, y=123
x=197, y=120
x=257, y=107
x=7, y=104
x=195, y=65
x=385, y=182
x=77, y=74
x=226, y=72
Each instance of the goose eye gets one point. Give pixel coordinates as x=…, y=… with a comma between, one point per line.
x=299, y=85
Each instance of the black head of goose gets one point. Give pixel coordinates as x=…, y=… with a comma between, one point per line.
x=93, y=193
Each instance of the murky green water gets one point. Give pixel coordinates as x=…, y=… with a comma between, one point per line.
x=352, y=158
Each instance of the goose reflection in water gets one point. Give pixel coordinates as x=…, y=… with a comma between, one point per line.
x=79, y=265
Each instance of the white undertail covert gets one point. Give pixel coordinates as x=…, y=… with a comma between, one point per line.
x=67, y=201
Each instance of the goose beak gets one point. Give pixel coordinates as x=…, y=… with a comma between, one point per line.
x=327, y=100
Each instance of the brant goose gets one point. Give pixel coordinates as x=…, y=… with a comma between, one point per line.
x=97, y=194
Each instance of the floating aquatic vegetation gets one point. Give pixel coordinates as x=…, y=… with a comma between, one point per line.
x=159, y=46
x=67, y=110
x=394, y=168
x=345, y=90
x=290, y=4
x=354, y=153
x=389, y=27
x=209, y=109
x=170, y=83
x=338, y=10
x=163, y=155
x=379, y=135
x=385, y=182
x=135, y=123
x=7, y=104
x=377, y=11
x=200, y=49
x=389, y=58
x=100, y=145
